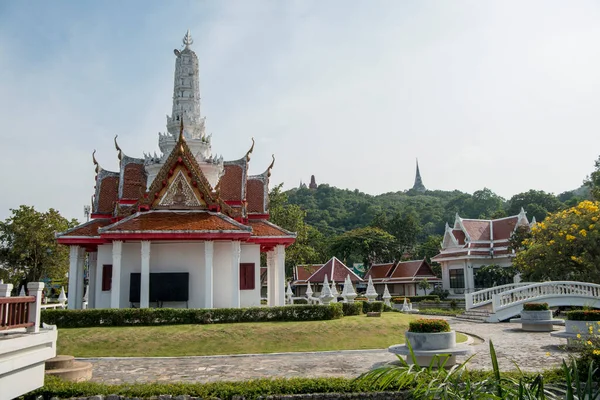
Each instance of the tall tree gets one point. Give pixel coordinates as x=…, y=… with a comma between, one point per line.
x=593, y=181
x=565, y=246
x=310, y=243
x=28, y=248
x=537, y=203
x=372, y=245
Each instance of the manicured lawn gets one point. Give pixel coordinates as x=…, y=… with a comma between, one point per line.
x=348, y=333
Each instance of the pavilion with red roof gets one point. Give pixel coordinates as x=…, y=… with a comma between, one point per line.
x=402, y=278
x=182, y=228
x=472, y=243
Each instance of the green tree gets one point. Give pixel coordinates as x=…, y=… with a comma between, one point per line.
x=429, y=249
x=537, y=203
x=494, y=275
x=593, y=181
x=28, y=248
x=309, y=246
x=372, y=245
x=565, y=246
x=424, y=285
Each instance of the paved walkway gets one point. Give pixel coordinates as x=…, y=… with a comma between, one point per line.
x=528, y=349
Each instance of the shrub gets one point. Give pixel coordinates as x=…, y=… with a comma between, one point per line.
x=428, y=326
x=453, y=304
x=375, y=306
x=400, y=300
x=584, y=315
x=301, y=301
x=535, y=306
x=361, y=298
x=429, y=297
x=441, y=293
x=441, y=311
x=177, y=316
x=352, y=308
x=55, y=387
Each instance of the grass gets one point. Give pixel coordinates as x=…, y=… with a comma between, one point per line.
x=348, y=333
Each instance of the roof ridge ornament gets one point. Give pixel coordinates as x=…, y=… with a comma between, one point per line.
x=95, y=162
x=250, y=151
x=120, y=156
x=187, y=39
x=271, y=166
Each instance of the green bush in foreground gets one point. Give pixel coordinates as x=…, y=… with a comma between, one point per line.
x=176, y=316
x=428, y=326
x=55, y=387
x=584, y=315
x=536, y=307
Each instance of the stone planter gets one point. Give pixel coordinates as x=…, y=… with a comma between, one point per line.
x=427, y=346
x=574, y=328
x=537, y=321
x=536, y=315
x=431, y=341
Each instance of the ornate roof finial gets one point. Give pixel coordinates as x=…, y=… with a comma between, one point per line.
x=271, y=166
x=250, y=151
x=181, y=137
x=95, y=162
x=187, y=39
x=118, y=149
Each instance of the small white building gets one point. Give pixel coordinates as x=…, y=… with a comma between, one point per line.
x=182, y=228
x=472, y=243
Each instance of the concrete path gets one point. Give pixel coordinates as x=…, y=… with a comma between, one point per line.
x=532, y=351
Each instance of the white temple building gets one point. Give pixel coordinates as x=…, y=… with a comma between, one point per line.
x=178, y=229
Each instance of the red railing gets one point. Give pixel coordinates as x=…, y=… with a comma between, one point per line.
x=14, y=312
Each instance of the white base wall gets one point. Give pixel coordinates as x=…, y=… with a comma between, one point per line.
x=22, y=359
x=181, y=257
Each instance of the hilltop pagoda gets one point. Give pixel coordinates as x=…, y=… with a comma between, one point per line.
x=182, y=228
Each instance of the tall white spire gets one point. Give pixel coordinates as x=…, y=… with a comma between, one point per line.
x=187, y=39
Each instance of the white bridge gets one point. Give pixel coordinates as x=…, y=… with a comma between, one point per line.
x=506, y=301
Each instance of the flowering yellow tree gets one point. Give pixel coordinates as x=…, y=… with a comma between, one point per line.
x=565, y=246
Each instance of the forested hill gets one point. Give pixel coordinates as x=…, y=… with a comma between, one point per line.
x=334, y=211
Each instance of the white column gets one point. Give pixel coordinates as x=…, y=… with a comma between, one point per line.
x=73, y=259
x=115, y=290
x=445, y=277
x=93, y=266
x=35, y=289
x=5, y=289
x=270, y=278
x=98, y=284
x=209, y=249
x=466, y=278
x=279, y=281
x=145, y=275
x=236, y=250
x=80, y=275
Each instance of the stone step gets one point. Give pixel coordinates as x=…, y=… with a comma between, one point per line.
x=78, y=372
x=60, y=362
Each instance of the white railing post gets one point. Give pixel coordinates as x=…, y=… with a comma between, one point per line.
x=35, y=289
x=469, y=301
x=5, y=289
x=495, y=302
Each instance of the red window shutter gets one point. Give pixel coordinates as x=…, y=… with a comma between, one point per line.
x=247, y=276
x=106, y=277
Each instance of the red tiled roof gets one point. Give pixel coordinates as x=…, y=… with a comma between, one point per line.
x=449, y=255
x=477, y=229
x=175, y=221
x=406, y=269
x=504, y=228
x=459, y=235
x=264, y=228
x=255, y=196
x=108, y=194
x=335, y=270
x=479, y=245
x=379, y=271
x=231, y=183
x=303, y=272
x=88, y=228
x=134, y=181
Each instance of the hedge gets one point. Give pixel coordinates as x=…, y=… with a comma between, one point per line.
x=374, y=306
x=400, y=300
x=352, y=308
x=177, y=316
x=584, y=315
x=449, y=312
x=55, y=387
x=536, y=307
x=428, y=326
x=414, y=299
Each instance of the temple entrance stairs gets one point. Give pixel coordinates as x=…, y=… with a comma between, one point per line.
x=506, y=301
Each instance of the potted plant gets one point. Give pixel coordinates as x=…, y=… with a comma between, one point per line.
x=536, y=317
x=430, y=334
x=580, y=321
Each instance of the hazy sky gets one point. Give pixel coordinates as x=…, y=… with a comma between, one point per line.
x=497, y=94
